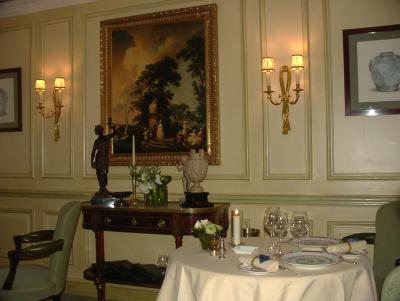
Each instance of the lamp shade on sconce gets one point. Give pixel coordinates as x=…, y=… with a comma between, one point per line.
x=59, y=83
x=267, y=64
x=297, y=62
x=40, y=85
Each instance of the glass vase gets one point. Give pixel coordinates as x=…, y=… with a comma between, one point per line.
x=157, y=196
x=204, y=241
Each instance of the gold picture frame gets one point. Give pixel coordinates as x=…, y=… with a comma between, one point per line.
x=159, y=83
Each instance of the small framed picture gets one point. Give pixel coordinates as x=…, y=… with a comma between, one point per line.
x=372, y=70
x=10, y=100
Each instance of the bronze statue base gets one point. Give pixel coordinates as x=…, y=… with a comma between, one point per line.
x=196, y=200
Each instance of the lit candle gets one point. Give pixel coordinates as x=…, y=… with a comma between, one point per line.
x=236, y=228
x=133, y=151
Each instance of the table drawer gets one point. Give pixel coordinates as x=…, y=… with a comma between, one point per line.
x=136, y=223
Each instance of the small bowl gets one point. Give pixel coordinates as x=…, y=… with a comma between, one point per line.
x=250, y=232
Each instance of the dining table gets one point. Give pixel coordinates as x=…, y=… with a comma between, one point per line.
x=194, y=274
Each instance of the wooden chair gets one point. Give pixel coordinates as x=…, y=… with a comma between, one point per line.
x=38, y=282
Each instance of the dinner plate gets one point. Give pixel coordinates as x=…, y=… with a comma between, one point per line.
x=313, y=243
x=310, y=260
x=252, y=269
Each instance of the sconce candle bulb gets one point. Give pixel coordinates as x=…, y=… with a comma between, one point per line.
x=59, y=87
x=59, y=83
x=40, y=85
x=284, y=98
x=268, y=68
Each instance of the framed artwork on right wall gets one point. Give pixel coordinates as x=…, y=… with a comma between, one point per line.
x=372, y=70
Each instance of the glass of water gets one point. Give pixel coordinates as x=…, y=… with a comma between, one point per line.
x=271, y=216
x=299, y=226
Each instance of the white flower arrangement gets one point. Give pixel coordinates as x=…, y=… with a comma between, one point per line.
x=148, y=177
x=204, y=226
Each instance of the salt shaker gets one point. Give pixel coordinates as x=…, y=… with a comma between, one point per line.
x=222, y=249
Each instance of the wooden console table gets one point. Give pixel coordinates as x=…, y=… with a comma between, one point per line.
x=170, y=220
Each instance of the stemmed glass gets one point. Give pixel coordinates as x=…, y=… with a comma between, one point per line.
x=162, y=262
x=299, y=226
x=271, y=216
x=281, y=227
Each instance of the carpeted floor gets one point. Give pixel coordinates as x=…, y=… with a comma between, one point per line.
x=66, y=297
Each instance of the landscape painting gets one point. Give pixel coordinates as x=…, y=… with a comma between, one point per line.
x=159, y=76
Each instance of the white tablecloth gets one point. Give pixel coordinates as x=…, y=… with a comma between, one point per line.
x=194, y=275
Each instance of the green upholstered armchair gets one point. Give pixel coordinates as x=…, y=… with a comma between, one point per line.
x=386, y=240
x=37, y=282
x=391, y=286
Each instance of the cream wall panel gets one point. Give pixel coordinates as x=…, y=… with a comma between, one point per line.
x=16, y=147
x=21, y=221
x=57, y=62
x=286, y=156
x=231, y=86
x=361, y=146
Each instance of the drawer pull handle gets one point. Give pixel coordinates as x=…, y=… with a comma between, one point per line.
x=107, y=220
x=161, y=223
x=134, y=221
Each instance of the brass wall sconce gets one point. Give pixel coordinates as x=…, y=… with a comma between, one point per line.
x=284, y=97
x=59, y=87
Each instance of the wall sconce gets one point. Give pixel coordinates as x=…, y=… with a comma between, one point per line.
x=59, y=87
x=284, y=97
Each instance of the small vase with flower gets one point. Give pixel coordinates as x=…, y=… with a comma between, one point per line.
x=206, y=231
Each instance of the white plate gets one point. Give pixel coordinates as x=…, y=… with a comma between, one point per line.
x=244, y=249
x=310, y=260
x=252, y=269
x=313, y=243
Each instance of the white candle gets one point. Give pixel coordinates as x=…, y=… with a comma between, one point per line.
x=236, y=228
x=133, y=151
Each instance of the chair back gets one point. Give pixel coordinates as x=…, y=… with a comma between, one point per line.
x=391, y=286
x=65, y=229
x=387, y=240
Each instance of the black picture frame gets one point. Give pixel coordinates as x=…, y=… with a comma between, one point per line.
x=10, y=100
x=370, y=56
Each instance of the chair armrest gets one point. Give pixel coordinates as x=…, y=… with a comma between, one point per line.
x=37, y=236
x=368, y=237
x=33, y=252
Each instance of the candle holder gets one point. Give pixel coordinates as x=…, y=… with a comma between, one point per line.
x=133, y=172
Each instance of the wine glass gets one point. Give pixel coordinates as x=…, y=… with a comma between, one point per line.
x=299, y=225
x=282, y=224
x=162, y=262
x=271, y=216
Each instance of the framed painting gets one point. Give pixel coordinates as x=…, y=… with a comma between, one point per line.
x=159, y=85
x=10, y=100
x=372, y=70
